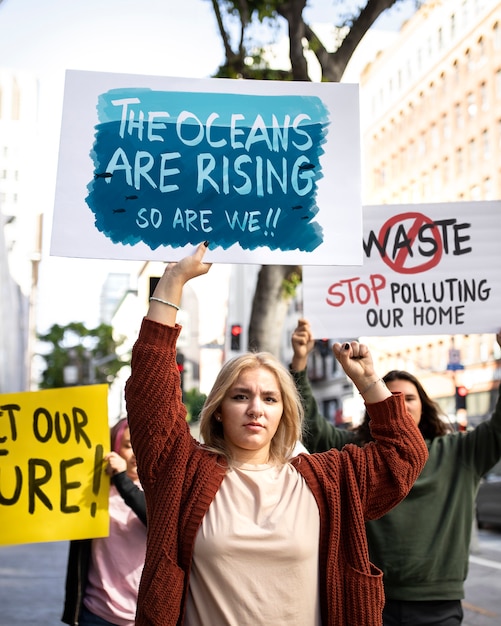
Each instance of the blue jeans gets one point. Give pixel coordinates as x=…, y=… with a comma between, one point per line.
x=89, y=619
x=423, y=613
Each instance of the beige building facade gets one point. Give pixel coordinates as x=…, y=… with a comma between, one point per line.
x=431, y=129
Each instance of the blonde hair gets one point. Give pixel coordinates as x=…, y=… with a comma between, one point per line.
x=290, y=426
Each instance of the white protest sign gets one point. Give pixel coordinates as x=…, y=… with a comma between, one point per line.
x=428, y=269
x=267, y=172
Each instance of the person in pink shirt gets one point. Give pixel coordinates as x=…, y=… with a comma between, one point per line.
x=103, y=574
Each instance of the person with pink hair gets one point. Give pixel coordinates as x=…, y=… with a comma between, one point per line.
x=103, y=574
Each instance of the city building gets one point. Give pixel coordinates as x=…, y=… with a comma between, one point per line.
x=430, y=100
x=431, y=132
x=431, y=107
x=20, y=224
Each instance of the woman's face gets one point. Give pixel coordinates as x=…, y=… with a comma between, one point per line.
x=250, y=414
x=126, y=452
x=411, y=396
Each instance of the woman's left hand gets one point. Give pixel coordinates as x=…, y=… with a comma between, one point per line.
x=115, y=464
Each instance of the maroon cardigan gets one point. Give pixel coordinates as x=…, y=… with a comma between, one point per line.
x=180, y=479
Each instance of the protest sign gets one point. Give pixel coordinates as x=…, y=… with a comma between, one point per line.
x=52, y=481
x=266, y=171
x=428, y=269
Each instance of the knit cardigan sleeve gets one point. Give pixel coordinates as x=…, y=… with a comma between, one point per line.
x=389, y=466
x=378, y=475
x=156, y=414
x=180, y=477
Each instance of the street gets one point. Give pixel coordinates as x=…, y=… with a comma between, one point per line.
x=32, y=583
x=482, y=604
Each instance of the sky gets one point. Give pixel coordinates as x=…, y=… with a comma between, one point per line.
x=154, y=37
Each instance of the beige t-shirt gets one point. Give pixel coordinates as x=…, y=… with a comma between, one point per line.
x=256, y=553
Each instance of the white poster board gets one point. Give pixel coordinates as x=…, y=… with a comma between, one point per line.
x=428, y=269
x=267, y=172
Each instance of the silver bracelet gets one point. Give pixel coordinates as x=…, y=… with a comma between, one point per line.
x=174, y=306
x=369, y=387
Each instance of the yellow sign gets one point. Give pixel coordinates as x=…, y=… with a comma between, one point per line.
x=52, y=481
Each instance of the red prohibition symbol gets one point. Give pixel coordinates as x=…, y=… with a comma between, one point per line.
x=407, y=240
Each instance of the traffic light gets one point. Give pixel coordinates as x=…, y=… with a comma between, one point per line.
x=236, y=334
x=323, y=347
x=461, y=394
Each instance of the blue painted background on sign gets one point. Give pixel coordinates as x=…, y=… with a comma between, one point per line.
x=178, y=168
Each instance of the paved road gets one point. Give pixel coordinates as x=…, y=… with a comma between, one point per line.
x=32, y=583
x=482, y=604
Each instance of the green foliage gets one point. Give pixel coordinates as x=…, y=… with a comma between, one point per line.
x=289, y=284
x=238, y=23
x=90, y=354
x=194, y=401
x=250, y=27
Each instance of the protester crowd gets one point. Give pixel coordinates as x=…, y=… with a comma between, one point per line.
x=369, y=526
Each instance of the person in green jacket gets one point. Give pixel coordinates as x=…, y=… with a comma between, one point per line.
x=421, y=545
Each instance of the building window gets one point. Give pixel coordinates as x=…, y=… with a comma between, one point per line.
x=464, y=17
x=446, y=171
x=472, y=105
x=430, y=47
x=16, y=101
x=443, y=83
x=469, y=60
x=435, y=181
x=382, y=175
x=496, y=32
x=498, y=84
x=435, y=139
x=453, y=26
x=488, y=189
x=472, y=153
x=422, y=145
x=446, y=127
x=475, y=193
x=486, y=145
x=459, y=162
x=425, y=186
x=458, y=115
x=413, y=192
x=484, y=97
x=481, y=51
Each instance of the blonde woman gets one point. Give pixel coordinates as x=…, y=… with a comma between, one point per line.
x=239, y=534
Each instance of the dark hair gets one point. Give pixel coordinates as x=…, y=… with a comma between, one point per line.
x=431, y=424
